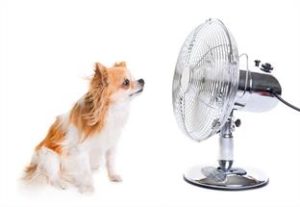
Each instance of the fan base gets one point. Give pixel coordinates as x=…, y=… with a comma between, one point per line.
x=233, y=179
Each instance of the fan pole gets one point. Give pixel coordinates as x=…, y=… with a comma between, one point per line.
x=226, y=144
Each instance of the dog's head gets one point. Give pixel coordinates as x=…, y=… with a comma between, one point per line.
x=116, y=82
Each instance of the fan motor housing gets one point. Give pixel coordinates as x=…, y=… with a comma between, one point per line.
x=254, y=88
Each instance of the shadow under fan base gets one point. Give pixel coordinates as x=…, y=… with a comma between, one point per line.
x=233, y=182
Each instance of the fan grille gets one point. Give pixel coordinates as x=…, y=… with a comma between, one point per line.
x=205, y=80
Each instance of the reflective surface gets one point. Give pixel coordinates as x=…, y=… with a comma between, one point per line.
x=234, y=179
x=206, y=80
x=254, y=91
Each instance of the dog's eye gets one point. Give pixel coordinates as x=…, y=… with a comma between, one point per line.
x=126, y=82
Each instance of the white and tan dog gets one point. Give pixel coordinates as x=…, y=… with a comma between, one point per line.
x=78, y=140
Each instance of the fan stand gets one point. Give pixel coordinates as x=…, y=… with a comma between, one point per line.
x=225, y=177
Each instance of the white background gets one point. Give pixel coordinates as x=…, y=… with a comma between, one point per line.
x=49, y=48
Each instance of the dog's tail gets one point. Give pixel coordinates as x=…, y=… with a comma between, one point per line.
x=44, y=168
x=31, y=171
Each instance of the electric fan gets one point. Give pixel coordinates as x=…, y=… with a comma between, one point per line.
x=208, y=86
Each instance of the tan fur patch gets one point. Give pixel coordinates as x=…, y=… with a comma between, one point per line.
x=54, y=137
x=116, y=77
x=89, y=116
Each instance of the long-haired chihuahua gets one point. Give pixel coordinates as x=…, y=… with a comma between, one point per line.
x=78, y=140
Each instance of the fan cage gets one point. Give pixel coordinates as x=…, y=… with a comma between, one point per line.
x=205, y=80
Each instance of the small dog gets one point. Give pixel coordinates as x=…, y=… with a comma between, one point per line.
x=78, y=140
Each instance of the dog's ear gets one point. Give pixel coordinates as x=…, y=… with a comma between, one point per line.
x=95, y=101
x=99, y=68
x=101, y=73
x=120, y=64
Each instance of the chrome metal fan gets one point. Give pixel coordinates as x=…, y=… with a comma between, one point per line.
x=208, y=86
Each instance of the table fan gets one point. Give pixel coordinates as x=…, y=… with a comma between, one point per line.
x=208, y=86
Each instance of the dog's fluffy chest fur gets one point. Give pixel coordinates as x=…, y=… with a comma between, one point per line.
x=107, y=138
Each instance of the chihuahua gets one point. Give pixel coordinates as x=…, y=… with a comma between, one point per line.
x=78, y=140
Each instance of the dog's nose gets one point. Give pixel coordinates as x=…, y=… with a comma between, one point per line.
x=141, y=82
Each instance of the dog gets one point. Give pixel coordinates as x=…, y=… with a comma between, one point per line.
x=77, y=141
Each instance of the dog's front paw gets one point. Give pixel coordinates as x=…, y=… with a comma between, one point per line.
x=115, y=178
x=59, y=184
x=86, y=189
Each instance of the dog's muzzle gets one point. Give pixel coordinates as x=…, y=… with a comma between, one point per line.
x=141, y=84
